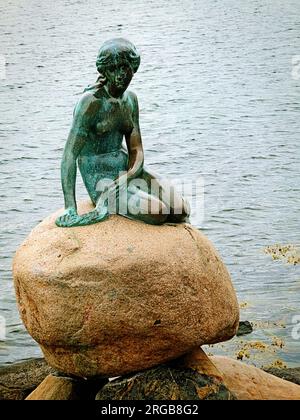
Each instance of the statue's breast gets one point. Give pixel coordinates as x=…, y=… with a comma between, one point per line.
x=105, y=125
x=113, y=116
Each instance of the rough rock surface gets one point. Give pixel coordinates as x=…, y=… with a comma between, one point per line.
x=121, y=296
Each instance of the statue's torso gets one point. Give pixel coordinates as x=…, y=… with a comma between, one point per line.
x=103, y=157
x=111, y=120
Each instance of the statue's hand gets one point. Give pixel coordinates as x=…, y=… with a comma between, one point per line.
x=68, y=219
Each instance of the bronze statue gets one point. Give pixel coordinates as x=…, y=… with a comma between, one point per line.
x=114, y=177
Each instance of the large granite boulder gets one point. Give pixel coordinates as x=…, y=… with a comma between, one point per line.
x=121, y=296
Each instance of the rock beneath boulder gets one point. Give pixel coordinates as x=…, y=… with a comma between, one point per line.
x=20, y=379
x=121, y=296
x=250, y=383
x=56, y=388
x=192, y=377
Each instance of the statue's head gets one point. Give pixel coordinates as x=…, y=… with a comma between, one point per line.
x=117, y=61
x=115, y=52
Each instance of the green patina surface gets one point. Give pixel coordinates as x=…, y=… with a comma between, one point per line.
x=115, y=177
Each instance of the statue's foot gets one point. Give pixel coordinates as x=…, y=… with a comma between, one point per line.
x=92, y=217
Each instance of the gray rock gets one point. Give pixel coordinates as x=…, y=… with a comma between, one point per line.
x=166, y=382
x=20, y=379
x=289, y=374
x=245, y=327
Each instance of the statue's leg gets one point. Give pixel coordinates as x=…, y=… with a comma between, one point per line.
x=137, y=204
x=178, y=207
x=147, y=198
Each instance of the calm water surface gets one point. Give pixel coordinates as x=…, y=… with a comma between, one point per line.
x=217, y=100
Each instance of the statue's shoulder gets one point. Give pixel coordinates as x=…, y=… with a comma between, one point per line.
x=86, y=103
x=131, y=96
x=132, y=99
x=87, y=98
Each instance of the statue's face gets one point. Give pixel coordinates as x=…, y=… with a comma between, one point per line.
x=118, y=77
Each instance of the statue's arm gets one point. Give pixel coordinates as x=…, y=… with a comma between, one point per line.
x=134, y=144
x=77, y=138
x=74, y=144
